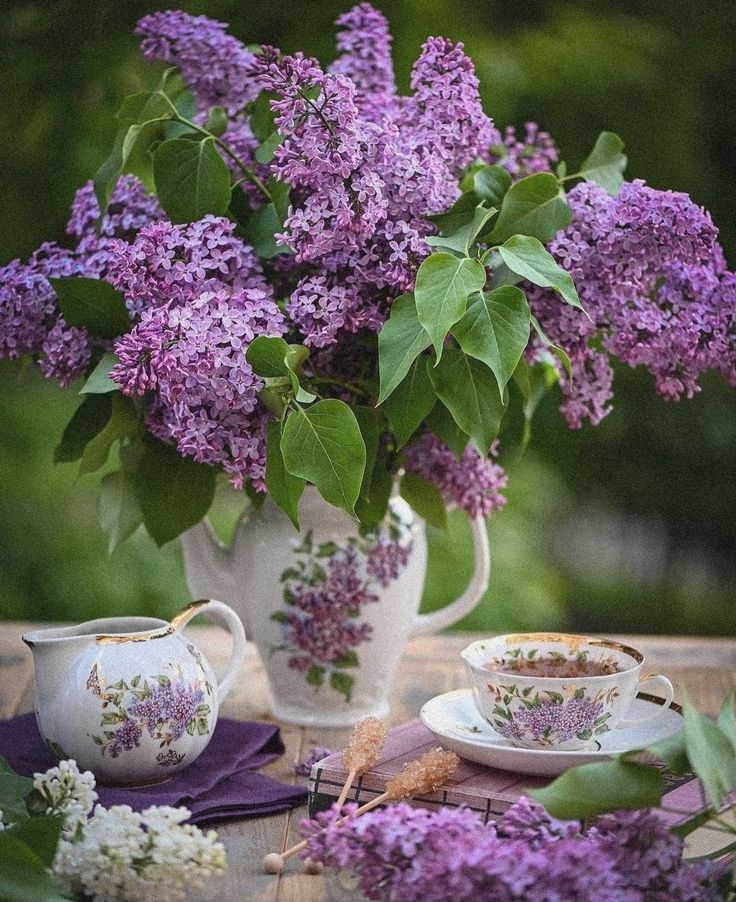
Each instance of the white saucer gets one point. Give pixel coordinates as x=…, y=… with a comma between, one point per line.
x=454, y=719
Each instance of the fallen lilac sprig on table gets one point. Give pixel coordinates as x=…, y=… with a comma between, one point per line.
x=404, y=853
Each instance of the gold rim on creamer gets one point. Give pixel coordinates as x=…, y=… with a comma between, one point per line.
x=177, y=622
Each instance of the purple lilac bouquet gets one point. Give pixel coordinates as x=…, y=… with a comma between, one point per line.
x=412, y=854
x=292, y=274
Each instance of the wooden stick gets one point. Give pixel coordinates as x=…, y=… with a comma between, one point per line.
x=346, y=788
x=426, y=774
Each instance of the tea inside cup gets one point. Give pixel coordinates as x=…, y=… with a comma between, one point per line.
x=556, y=691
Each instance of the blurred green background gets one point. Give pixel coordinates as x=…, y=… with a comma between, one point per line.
x=626, y=527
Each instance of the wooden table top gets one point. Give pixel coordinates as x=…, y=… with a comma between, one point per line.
x=702, y=669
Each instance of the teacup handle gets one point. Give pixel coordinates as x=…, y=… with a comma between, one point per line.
x=669, y=696
x=224, y=616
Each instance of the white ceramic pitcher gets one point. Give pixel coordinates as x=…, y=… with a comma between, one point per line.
x=329, y=610
x=131, y=698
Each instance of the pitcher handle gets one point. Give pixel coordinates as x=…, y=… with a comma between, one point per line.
x=223, y=615
x=451, y=613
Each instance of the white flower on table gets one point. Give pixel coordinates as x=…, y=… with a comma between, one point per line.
x=66, y=790
x=125, y=856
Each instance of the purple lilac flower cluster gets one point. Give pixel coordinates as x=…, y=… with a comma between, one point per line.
x=560, y=721
x=29, y=316
x=321, y=624
x=215, y=65
x=364, y=45
x=303, y=768
x=650, y=273
x=200, y=298
x=473, y=483
x=191, y=359
x=367, y=168
x=174, y=264
x=417, y=855
x=168, y=708
x=535, y=153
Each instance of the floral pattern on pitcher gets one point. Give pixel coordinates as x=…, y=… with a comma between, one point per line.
x=325, y=593
x=549, y=718
x=164, y=707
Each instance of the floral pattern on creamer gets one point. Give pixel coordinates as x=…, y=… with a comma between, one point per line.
x=325, y=592
x=165, y=707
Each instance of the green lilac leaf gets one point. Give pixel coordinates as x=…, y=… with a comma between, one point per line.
x=490, y=183
x=261, y=116
x=469, y=390
x=727, y=719
x=372, y=502
x=559, y=352
x=284, y=488
x=191, y=178
x=606, y=163
x=92, y=304
x=425, y=499
x=260, y=226
x=216, y=122
x=711, y=754
x=13, y=792
x=226, y=512
x=410, y=403
x=463, y=238
x=495, y=330
x=443, y=285
x=123, y=423
x=99, y=381
x=400, y=341
x=264, y=153
x=267, y=356
x=594, y=789
x=533, y=206
x=137, y=109
x=174, y=492
x=25, y=859
x=440, y=421
x=41, y=834
x=323, y=444
x=88, y=420
x=673, y=751
x=315, y=675
x=118, y=509
x=370, y=429
x=459, y=214
x=529, y=258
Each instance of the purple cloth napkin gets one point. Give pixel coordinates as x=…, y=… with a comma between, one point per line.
x=219, y=784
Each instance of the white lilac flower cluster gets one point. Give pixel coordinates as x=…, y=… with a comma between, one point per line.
x=120, y=855
x=128, y=855
x=66, y=790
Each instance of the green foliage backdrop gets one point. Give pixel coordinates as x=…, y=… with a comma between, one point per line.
x=625, y=527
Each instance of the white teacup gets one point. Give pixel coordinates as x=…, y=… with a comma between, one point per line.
x=516, y=690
